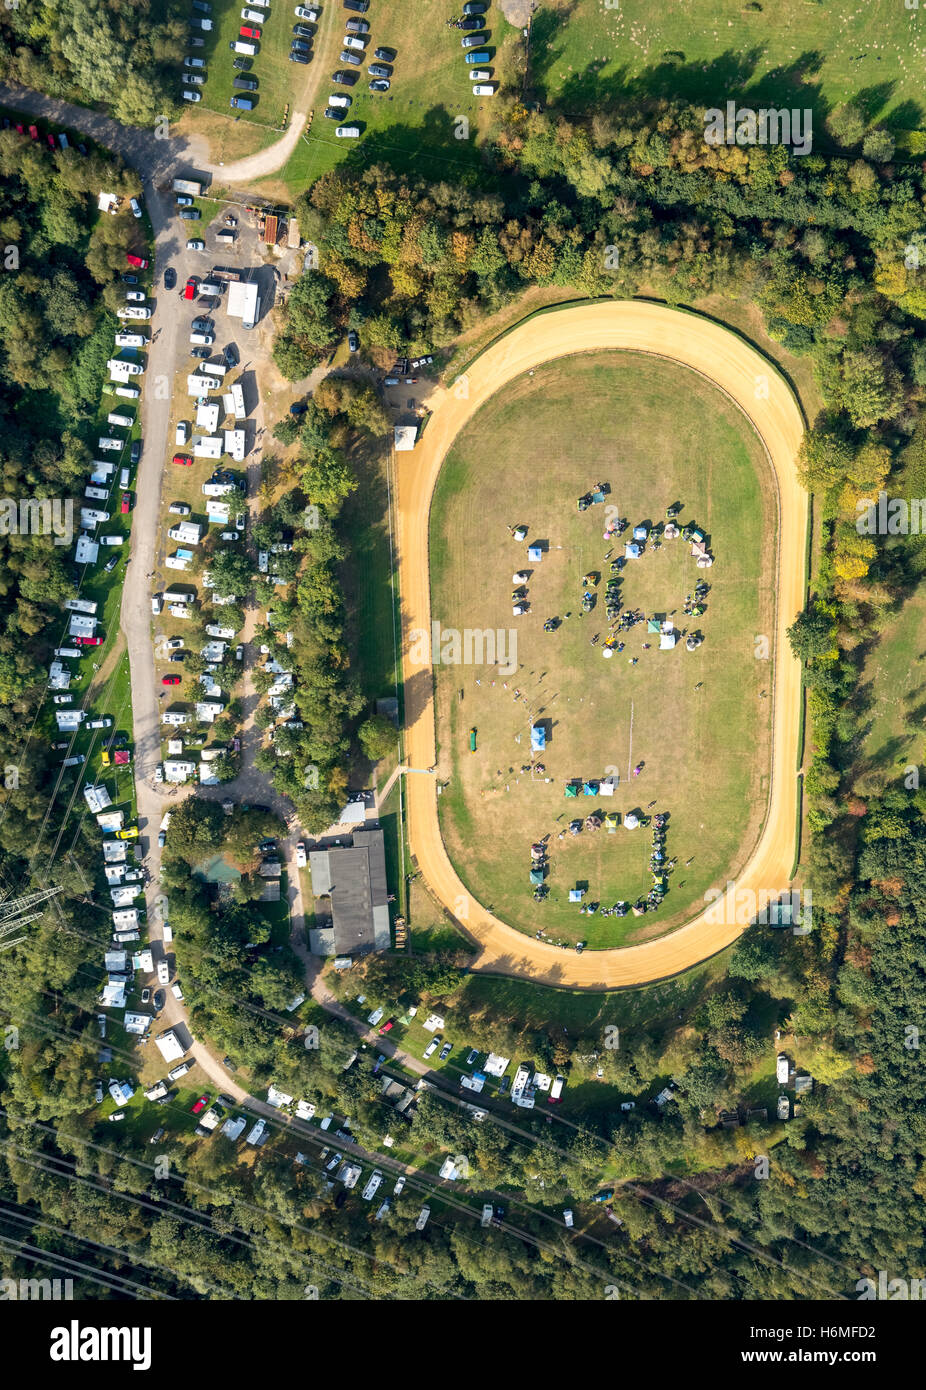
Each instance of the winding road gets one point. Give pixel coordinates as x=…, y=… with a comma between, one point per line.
x=766, y=399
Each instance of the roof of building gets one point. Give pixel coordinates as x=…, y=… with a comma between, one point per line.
x=354, y=878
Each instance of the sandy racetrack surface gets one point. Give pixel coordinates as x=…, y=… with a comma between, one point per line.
x=767, y=400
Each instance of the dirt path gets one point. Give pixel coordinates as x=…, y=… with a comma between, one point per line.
x=766, y=399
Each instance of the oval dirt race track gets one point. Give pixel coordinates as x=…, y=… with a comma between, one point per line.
x=767, y=400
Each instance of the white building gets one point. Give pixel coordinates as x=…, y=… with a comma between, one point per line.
x=169, y=1047
x=404, y=438
x=234, y=444
x=86, y=551
x=178, y=770
x=244, y=302
x=207, y=446
x=207, y=416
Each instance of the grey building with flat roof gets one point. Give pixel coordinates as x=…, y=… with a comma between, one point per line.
x=350, y=880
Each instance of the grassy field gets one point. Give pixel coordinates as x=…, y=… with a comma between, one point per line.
x=794, y=53
x=429, y=119
x=279, y=80
x=894, y=684
x=704, y=750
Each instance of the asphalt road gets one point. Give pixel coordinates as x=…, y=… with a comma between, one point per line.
x=764, y=396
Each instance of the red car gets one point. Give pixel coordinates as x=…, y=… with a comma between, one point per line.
x=88, y=641
x=138, y=261
x=200, y=1105
x=189, y=291
x=247, y=33
x=125, y=503
x=387, y=1026
x=170, y=680
x=184, y=460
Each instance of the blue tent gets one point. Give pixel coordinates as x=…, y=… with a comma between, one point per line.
x=575, y=895
x=538, y=738
x=590, y=789
x=536, y=876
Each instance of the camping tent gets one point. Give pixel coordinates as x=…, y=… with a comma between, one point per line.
x=520, y=533
x=571, y=789
x=631, y=821
x=640, y=533
x=653, y=625
x=612, y=820
x=606, y=787
x=575, y=895
x=632, y=550
x=590, y=789
x=538, y=738
x=536, y=876
x=534, y=553
x=607, y=652
x=518, y=609
x=666, y=641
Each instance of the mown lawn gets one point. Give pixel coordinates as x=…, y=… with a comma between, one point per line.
x=695, y=720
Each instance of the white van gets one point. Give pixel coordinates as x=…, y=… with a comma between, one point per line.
x=157, y=603
x=202, y=339
x=115, y=417
x=211, y=287
x=99, y=494
x=133, y=204
x=123, y=477
x=182, y=432
x=129, y=393
x=175, y=1073
x=248, y=49
x=348, y=132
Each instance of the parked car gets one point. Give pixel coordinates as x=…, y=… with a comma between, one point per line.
x=190, y=94
x=190, y=62
x=353, y=342
x=170, y=680
x=475, y=7
x=185, y=460
x=246, y=32
x=431, y=1048
x=190, y=214
x=242, y=103
x=243, y=64
x=473, y=40
x=483, y=89
x=302, y=31
x=158, y=1000
x=377, y=70
x=381, y=84
x=471, y=21
x=301, y=860
x=311, y=15
x=471, y=1057
x=333, y=100
x=355, y=44
x=135, y=451
x=296, y=56
x=358, y=6
x=480, y=75
x=482, y=56
x=385, y=55
x=170, y=278
x=199, y=1105
x=299, y=46
x=357, y=26
x=196, y=245
x=135, y=296
x=231, y=356
x=348, y=132
x=445, y=1051
x=345, y=79
x=245, y=84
